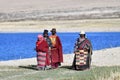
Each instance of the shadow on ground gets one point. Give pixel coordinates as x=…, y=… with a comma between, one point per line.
x=66, y=67
x=33, y=67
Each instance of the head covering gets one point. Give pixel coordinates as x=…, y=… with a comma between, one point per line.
x=82, y=32
x=53, y=29
x=40, y=37
x=45, y=31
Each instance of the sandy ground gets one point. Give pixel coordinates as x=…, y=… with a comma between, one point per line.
x=105, y=57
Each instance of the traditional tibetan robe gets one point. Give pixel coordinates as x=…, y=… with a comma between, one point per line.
x=83, y=52
x=56, y=51
x=42, y=53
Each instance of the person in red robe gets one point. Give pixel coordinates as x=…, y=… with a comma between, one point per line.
x=56, y=50
x=42, y=53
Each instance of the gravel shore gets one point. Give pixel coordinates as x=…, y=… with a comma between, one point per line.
x=105, y=57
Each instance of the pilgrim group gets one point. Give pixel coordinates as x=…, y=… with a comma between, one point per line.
x=50, y=55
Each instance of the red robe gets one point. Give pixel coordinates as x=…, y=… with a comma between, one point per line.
x=56, y=51
x=42, y=50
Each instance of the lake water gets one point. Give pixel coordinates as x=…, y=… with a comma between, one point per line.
x=21, y=45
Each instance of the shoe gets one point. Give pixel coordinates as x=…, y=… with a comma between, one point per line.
x=43, y=68
x=48, y=67
x=40, y=68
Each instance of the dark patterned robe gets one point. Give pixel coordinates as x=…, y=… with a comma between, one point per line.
x=83, y=52
x=48, y=41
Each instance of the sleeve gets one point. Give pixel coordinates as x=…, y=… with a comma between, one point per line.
x=60, y=49
x=76, y=45
x=45, y=47
x=89, y=46
x=37, y=46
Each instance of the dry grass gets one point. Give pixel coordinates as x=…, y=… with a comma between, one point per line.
x=63, y=73
x=113, y=76
x=62, y=26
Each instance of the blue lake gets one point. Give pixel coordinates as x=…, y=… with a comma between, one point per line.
x=21, y=45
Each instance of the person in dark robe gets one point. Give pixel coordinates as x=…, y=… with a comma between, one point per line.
x=46, y=37
x=42, y=53
x=56, y=50
x=83, y=52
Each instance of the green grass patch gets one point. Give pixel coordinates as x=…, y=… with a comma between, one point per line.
x=63, y=73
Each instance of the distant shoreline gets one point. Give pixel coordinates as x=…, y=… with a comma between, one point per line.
x=88, y=25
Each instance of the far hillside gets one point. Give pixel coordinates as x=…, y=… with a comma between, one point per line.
x=19, y=10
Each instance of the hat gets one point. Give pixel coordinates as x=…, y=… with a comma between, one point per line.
x=82, y=32
x=53, y=29
x=45, y=31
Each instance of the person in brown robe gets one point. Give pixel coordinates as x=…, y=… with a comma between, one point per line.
x=56, y=50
